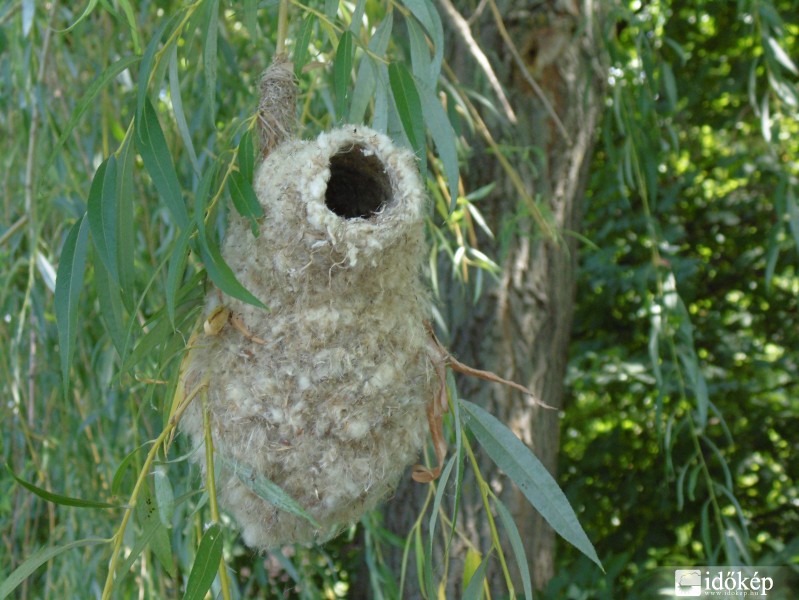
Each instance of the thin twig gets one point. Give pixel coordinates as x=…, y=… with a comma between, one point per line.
x=526, y=72
x=465, y=32
x=18, y=224
x=210, y=484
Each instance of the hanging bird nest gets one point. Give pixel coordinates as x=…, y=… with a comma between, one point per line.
x=324, y=394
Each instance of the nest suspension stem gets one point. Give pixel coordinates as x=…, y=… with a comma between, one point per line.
x=282, y=26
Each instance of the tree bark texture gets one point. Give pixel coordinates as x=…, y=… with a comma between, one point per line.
x=520, y=326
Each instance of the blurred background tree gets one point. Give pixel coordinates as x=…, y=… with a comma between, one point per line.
x=677, y=396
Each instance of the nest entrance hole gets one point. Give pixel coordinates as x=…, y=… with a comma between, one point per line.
x=359, y=186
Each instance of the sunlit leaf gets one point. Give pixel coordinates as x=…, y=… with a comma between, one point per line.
x=474, y=591
x=69, y=282
x=471, y=564
x=527, y=472
x=781, y=56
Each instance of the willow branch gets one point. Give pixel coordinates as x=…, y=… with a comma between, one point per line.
x=464, y=31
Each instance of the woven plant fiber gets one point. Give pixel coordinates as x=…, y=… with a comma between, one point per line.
x=324, y=394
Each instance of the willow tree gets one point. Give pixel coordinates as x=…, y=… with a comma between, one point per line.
x=541, y=65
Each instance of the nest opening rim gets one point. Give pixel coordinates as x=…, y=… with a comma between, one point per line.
x=359, y=186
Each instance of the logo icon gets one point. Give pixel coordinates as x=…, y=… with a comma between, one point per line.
x=688, y=582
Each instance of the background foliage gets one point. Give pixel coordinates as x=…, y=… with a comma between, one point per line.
x=678, y=445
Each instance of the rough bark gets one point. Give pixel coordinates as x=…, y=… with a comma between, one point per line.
x=520, y=328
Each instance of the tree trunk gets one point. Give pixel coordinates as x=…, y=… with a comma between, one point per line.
x=520, y=328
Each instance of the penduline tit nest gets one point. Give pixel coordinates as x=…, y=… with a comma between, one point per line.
x=328, y=394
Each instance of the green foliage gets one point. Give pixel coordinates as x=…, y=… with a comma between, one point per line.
x=676, y=446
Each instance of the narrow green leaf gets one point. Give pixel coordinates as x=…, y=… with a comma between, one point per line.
x=222, y=275
x=111, y=311
x=159, y=330
x=793, y=215
x=517, y=546
x=88, y=98
x=342, y=69
x=331, y=8
x=420, y=54
x=206, y=564
x=251, y=18
x=102, y=214
x=531, y=477
x=266, y=489
x=164, y=496
x=210, y=39
x=357, y=17
x=215, y=265
x=470, y=565
x=116, y=482
x=175, y=272
x=177, y=109
x=125, y=224
x=86, y=12
x=58, y=498
x=669, y=84
x=37, y=559
x=367, y=71
x=146, y=66
x=69, y=281
x=152, y=146
x=245, y=200
x=443, y=137
x=130, y=17
x=474, y=591
x=409, y=107
x=441, y=485
x=381, y=109
x=302, y=43
x=426, y=13
x=246, y=156
x=782, y=56
x=148, y=514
